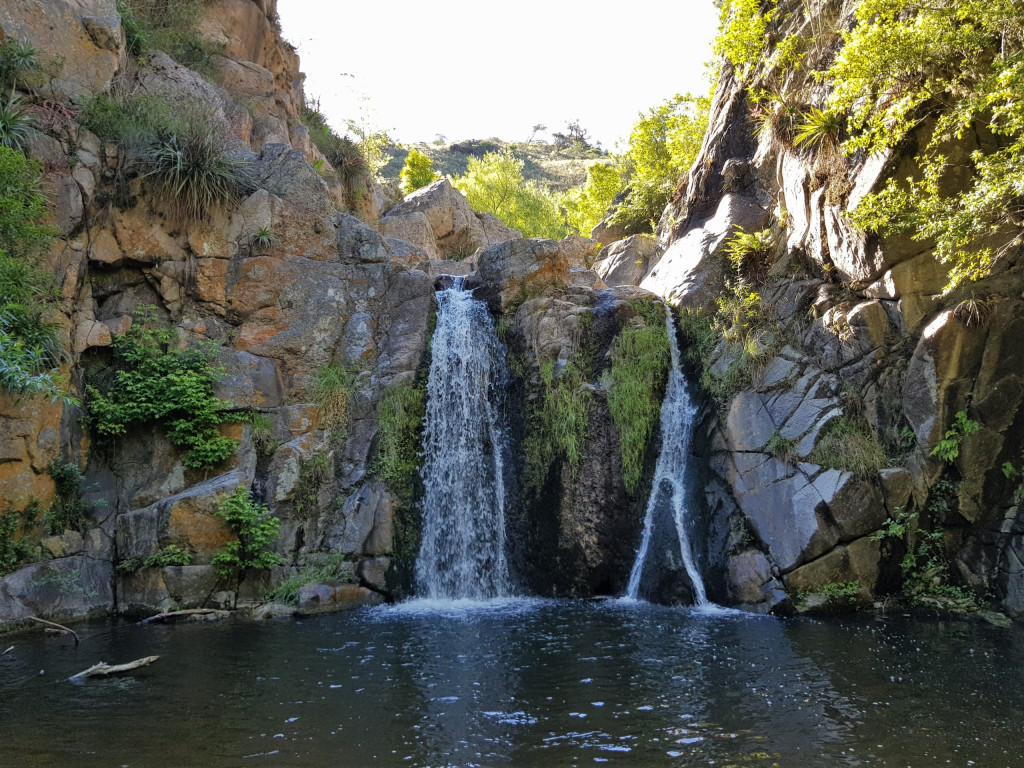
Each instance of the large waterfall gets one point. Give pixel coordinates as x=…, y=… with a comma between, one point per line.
x=677, y=415
x=463, y=551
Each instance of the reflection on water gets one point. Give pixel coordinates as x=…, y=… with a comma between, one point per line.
x=521, y=683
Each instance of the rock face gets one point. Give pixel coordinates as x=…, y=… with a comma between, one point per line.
x=850, y=348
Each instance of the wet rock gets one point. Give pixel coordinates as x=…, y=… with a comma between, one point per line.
x=625, y=262
x=71, y=587
x=518, y=267
x=327, y=598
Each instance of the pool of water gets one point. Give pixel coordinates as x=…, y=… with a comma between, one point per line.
x=521, y=683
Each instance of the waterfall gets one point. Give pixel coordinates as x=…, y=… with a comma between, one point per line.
x=462, y=555
x=677, y=414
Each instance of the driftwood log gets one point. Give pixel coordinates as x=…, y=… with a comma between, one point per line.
x=104, y=670
x=55, y=625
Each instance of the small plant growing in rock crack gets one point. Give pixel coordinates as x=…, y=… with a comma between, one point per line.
x=255, y=530
x=819, y=130
x=948, y=448
x=333, y=387
x=782, y=448
x=896, y=526
x=262, y=239
x=68, y=510
x=973, y=313
x=168, y=556
x=750, y=253
x=849, y=444
x=15, y=122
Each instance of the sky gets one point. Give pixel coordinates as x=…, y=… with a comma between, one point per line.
x=480, y=70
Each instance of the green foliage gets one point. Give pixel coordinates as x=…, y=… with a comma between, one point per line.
x=782, y=448
x=557, y=421
x=750, y=253
x=171, y=555
x=417, y=172
x=68, y=510
x=333, y=568
x=333, y=388
x=836, y=592
x=850, y=445
x=256, y=531
x=400, y=417
x=262, y=432
x=15, y=122
x=585, y=206
x=819, y=130
x=262, y=239
x=663, y=144
x=29, y=348
x=354, y=163
x=193, y=174
x=948, y=448
x=171, y=26
x=313, y=473
x=18, y=538
x=155, y=382
x=9, y=555
x=18, y=61
x=131, y=120
x=741, y=38
x=962, y=63
x=494, y=184
x=640, y=364
x=895, y=527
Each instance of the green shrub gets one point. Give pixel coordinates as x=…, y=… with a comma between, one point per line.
x=782, y=448
x=155, y=382
x=750, y=253
x=171, y=26
x=255, y=530
x=18, y=62
x=68, y=510
x=742, y=34
x=494, y=184
x=171, y=555
x=15, y=122
x=193, y=174
x=131, y=120
x=948, y=448
x=261, y=240
x=587, y=205
x=19, y=539
x=850, y=445
x=640, y=363
x=400, y=416
x=663, y=144
x=347, y=157
x=819, y=130
x=331, y=568
x=29, y=347
x=417, y=172
x=333, y=388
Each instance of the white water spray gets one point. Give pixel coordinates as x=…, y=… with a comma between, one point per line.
x=677, y=415
x=463, y=551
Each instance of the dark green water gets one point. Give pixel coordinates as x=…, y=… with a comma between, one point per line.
x=521, y=684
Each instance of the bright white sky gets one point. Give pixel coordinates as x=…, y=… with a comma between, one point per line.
x=477, y=69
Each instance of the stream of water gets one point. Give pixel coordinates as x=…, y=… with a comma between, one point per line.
x=462, y=555
x=520, y=683
x=678, y=411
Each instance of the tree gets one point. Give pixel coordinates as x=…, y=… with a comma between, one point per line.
x=535, y=130
x=417, y=172
x=585, y=206
x=575, y=137
x=663, y=144
x=494, y=184
x=255, y=529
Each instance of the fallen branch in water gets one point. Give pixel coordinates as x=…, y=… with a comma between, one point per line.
x=189, y=614
x=103, y=669
x=57, y=626
x=7, y=651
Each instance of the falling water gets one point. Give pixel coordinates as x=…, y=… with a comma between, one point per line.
x=677, y=414
x=463, y=551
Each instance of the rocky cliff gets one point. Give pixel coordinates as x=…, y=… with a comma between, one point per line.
x=843, y=364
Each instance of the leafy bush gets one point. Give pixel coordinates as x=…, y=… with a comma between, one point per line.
x=587, y=205
x=157, y=383
x=333, y=388
x=15, y=122
x=19, y=540
x=171, y=555
x=29, y=347
x=256, y=530
x=750, y=253
x=171, y=26
x=741, y=37
x=640, y=362
x=663, y=144
x=329, y=569
x=494, y=184
x=68, y=510
x=417, y=172
x=192, y=172
x=959, y=63
x=850, y=445
x=346, y=156
x=948, y=448
x=400, y=416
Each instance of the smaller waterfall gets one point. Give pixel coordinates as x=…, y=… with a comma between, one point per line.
x=677, y=414
x=462, y=555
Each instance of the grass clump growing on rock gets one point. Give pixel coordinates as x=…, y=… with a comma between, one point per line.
x=171, y=26
x=333, y=568
x=400, y=417
x=155, y=382
x=333, y=388
x=640, y=362
x=850, y=445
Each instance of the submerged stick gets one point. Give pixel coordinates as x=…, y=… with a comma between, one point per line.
x=57, y=626
x=163, y=618
x=7, y=651
x=103, y=669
